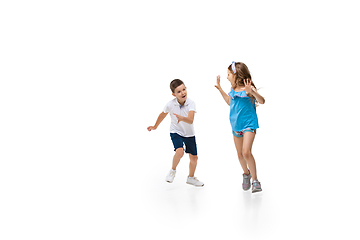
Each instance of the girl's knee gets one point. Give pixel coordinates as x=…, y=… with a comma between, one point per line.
x=247, y=154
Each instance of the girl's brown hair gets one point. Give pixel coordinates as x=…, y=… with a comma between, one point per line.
x=242, y=73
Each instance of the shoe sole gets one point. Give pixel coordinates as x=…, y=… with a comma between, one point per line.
x=256, y=190
x=195, y=185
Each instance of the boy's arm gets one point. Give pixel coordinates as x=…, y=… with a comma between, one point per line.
x=189, y=119
x=223, y=94
x=158, y=121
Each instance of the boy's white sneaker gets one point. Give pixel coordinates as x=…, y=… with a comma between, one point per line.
x=171, y=175
x=194, y=181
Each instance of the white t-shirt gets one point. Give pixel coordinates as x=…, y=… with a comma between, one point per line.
x=182, y=128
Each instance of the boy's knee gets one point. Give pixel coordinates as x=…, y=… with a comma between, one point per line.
x=180, y=152
x=193, y=158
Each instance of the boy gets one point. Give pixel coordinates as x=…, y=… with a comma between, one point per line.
x=182, y=111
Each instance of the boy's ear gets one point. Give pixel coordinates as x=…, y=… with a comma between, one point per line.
x=173, y=94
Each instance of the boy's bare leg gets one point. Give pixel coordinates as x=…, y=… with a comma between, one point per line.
x=192, y=165
x=179, y=153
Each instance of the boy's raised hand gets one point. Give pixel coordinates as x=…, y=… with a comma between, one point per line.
x=218, y=82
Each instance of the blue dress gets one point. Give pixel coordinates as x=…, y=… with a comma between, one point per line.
x=242, y=112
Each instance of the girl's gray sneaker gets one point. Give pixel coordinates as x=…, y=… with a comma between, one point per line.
x=256, y=186
x=246, y=181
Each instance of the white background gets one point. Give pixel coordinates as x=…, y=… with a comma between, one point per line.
x=82, y=80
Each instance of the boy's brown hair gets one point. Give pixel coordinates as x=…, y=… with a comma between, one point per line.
x=175, y=83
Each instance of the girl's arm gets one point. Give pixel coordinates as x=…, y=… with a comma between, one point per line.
x=251, y=90
x=223, y=94
x=258, y=97
x=158, y=121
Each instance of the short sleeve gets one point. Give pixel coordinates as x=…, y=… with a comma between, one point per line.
x=192, y=107
x=167, y=108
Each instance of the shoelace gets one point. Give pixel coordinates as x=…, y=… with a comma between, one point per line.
x=256, y=184
x=196, y=180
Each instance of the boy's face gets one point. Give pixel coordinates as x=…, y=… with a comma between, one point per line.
x=180, y=93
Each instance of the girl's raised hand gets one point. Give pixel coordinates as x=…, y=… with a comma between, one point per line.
x=248, y=88
x=218, y=82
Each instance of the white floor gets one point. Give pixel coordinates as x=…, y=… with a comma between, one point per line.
x=294, y=203
x=123, y=195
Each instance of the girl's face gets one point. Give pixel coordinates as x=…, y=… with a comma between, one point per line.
x=231, y=77
x=180, y=93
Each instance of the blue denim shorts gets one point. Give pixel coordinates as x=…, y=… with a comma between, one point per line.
x=180, y=141
x=241, y=133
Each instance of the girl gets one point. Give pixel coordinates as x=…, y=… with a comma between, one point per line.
x=242, y=100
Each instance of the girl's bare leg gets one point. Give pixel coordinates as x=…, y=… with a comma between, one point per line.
x=246, y=151
x=239, y=148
